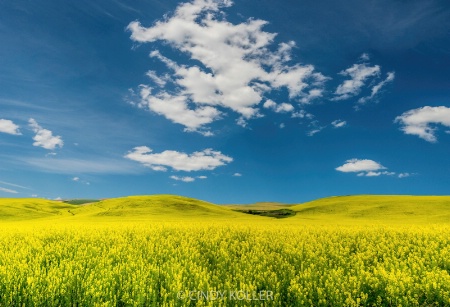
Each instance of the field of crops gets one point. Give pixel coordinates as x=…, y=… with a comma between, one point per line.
x=223, y=264
x=174, y=251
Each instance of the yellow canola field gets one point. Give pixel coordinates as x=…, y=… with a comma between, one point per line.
x=218, y=263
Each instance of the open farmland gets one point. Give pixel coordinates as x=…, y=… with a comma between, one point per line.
x=174, y=251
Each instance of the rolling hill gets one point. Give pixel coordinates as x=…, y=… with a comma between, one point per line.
x=376, y=208
x=330, y=210
x=159, y=207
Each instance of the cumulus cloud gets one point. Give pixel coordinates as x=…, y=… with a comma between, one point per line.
x=8, y=126
x=44, y=138
x=176, y=109
x=278, y=108
x=367, y=168
x=207, y=159
x=421, y=121
x=184, y=179
x=302, y=114
x=237, y=175
x=76, y=178
x=362, y=166
x=237, y=66
x=338, y=123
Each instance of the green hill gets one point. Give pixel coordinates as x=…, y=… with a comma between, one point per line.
x=341, y=209
x=165, y=207
x=12, y=209
x=376, y=208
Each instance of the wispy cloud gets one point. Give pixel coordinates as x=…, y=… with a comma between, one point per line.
x=358, y=73
x=376, y=88
x=419, y=121
x=315, y=128
x=238, y=68
x=338, y=123
x=184, y=179
x=362, y=76
x=9, y=127
x=13, y=185
x=72, y=166
x=79, y=180
x=8, y=190
x=207, y=159
x=44, y=138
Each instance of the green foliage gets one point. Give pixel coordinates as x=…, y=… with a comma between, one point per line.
x=80, y=201
x=279, y=214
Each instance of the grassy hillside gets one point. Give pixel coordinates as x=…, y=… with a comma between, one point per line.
x=12, y=209
x=376, y=208
x=361, y=209
x=153, y=207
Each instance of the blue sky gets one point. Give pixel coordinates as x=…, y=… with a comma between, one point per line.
x=226, y=101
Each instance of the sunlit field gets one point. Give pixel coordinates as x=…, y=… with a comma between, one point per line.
x=175, y=251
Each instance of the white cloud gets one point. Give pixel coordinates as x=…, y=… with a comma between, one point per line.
x=302, y=114
x=44, y=138
x=376, y=88
x=418, y=121
x=202, y=177
x=316, y=128
x=184, y=179
x=312, y=95
x=364, y=57
x=161, y=81
x=282, y=125
x=14, y=185
x=79, y=180
x=364, y=168
x=8, y=126
x=237, y=175
x=237, y=66
x=177, y=110
x=338, y=123
x=404, y=175
x=207, y=159
x=278, y=108
x=376, y=174
x=360, y=165
x=358, y=73
x=314, y=131
x=8, y=190
x=82, y=166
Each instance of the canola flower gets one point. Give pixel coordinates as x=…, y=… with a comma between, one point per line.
x=224, y=264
